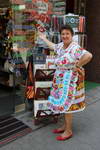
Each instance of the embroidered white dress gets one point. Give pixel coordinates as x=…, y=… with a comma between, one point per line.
x=67, y=92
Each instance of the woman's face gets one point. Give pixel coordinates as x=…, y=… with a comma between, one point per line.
x=66, y=36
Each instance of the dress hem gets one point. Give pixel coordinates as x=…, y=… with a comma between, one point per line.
x=68, y=112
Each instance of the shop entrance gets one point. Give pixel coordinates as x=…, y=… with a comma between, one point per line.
x=11, y=97
x=6, y=92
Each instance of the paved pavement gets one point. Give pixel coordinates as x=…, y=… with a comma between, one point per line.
x=86, y=129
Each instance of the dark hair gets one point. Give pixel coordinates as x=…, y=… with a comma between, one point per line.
x=67, y=27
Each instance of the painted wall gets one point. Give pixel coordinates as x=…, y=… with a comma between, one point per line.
x=93, y=39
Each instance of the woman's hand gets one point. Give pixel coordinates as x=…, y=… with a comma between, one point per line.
x=77, y=63
x=79, y=68
x=41, y=35
x=50, y=44
x=76, y=68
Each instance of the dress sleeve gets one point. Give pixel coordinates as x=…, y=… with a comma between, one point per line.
x=79, y=52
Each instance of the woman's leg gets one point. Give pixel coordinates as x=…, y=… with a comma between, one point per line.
x=68, y=128
x=68, y=125
x=60, y=129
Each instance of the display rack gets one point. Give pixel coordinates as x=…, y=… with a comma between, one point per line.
x=43, y=81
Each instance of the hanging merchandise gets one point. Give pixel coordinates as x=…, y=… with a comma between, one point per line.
x=23, y=34
x=82, y=24
x=30, y=92
x=76, y=22
x=59, y=7
x=72, y=20
x=56, y=22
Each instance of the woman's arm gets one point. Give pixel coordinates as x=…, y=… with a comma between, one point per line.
x=50, y=44
x=84, y=59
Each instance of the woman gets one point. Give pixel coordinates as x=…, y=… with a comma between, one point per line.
x=67, y=92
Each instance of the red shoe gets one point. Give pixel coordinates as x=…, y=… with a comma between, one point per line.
x=60, y=138
x=58, y=131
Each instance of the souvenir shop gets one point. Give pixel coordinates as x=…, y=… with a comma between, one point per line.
x=26, y=63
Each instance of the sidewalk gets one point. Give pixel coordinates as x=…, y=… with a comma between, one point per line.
x=86, y=129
